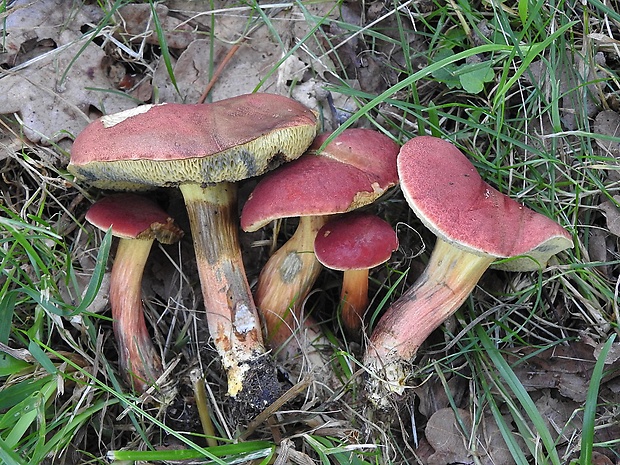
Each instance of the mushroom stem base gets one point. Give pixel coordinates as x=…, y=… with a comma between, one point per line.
x=449, y=277
x=231, y=314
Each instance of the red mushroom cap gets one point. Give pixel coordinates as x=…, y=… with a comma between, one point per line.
x=133, y=216
x=353, y=170
x=355, y=241
x=448, y=195
x=168, y=144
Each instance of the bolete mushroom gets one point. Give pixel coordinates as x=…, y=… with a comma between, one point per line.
x=475, y=225
x=204, y=149
x=353, y=170
x=354, y=243
x=137, y=221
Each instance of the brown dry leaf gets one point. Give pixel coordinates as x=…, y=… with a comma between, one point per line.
x=31, y=22
x=567, y=368
x=50, y=106
x=598, y=248
x=138, y=25
x=252, y=62
x=433, y=397
x=445, y=435
x=191, y=72
x=607, y=123
x=559, y=415
x=612, y=215
x=494, y=444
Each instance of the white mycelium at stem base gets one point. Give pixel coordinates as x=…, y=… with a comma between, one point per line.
x=231, y=313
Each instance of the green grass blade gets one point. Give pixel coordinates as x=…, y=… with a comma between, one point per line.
x=509, y=438
x=589, y=412
x=163, y=45
x=8, y=456
x=519, y=391
x=95, y=281
x=232, y=451
x=41, y=357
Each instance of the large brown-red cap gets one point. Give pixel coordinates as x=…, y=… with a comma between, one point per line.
x=133, y=216
x=353, y=170
x=355, y=241
x=448, y=195
x=169, y=144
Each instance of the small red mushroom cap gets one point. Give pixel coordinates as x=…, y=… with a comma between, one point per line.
x=133, y=216
x=355, y=241
x=448, y=195
x=353, y=170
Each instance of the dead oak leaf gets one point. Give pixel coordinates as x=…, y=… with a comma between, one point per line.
x=445, y=436
x=29, y=23
x=567, y=368
x=450, y=433
x=52, y=109
x=138, y=23
x=607, y=123
x=59, y=85
x=612, y=215
x=251, y=65
x=607, y=126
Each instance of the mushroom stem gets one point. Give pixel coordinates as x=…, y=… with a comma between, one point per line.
x=231, y=314
x=449, y=277
x=354, y=301
x=285, y=281
x=138, y=358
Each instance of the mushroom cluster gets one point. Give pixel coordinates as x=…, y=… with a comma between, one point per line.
x=353, y=170
x=205, y=149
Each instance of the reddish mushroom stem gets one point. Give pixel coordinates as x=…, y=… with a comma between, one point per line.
x=136, y=351
x=231, y=313
x=286, y=279
x=354, y=300
x=450, y=276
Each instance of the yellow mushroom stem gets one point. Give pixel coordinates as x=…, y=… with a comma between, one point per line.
x=284, y=283
x=450, y=276
x=231, y=313
x=138, y=359
x=354, y=301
